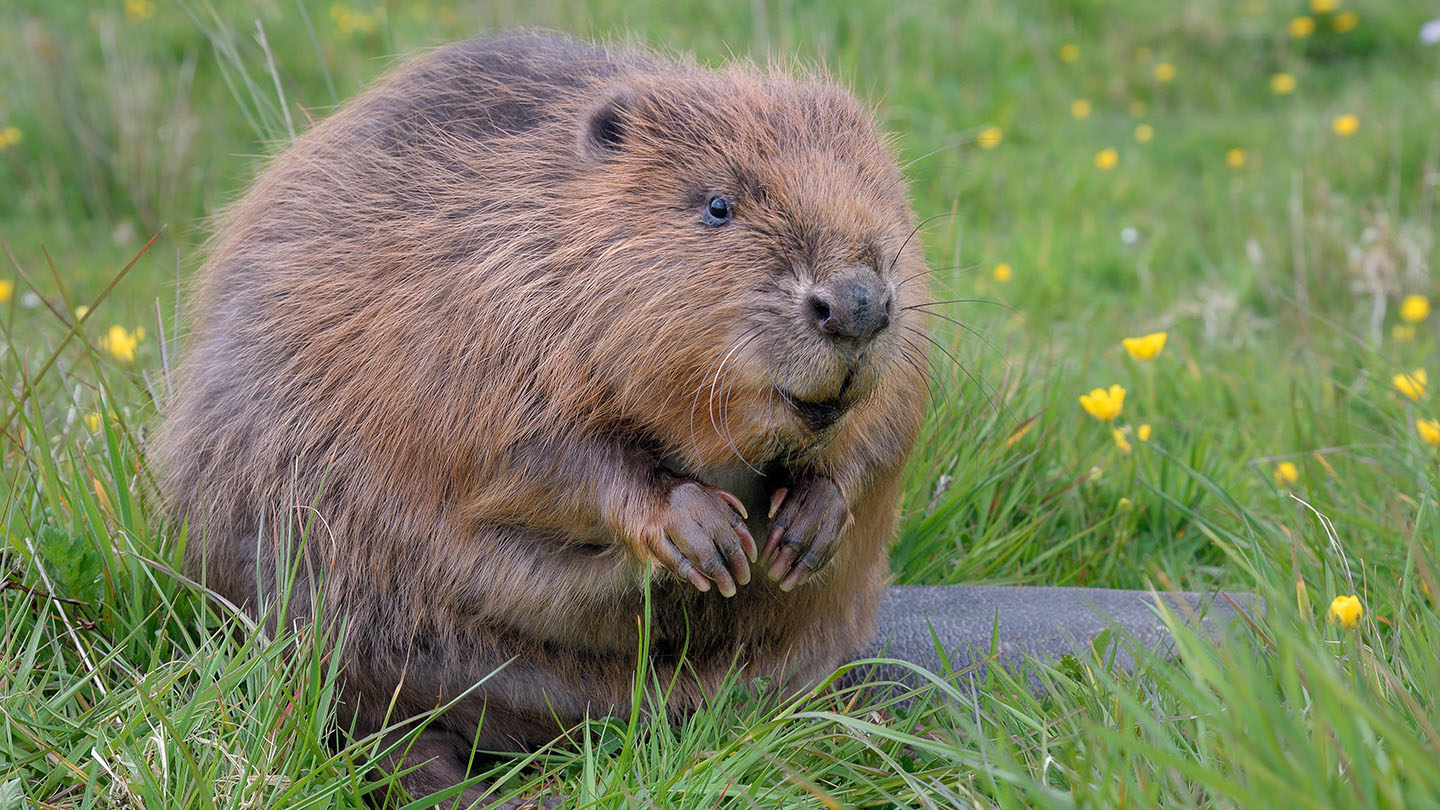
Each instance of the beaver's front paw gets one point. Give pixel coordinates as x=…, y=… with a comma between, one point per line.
x=808, y=518
x=700, y=535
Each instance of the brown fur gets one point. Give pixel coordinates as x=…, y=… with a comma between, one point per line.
x=475, y=320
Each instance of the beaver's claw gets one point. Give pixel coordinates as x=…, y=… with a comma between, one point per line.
x=807, y=521
x=701, y=537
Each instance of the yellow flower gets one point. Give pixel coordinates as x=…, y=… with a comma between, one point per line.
x=1164, y=72
x=1286, y=473
x=1402, y=333
x=1145, y=347
x=1346, y=611
x=1143, y=432
x=1106, y=159
x=1282, y=84
x=1411, y=385
x=1144, y=133
x=1069, y=52
x=1429, y=430
x=1235, y=158
x=120, y=343
x=7, y=289
x=92, y=421
x=1124, y=505
x=1415, y=308
x=1345, y=125
x=1102, y=404
x=1120, y=440
x=1323, y=6
x=1301, y=27
x=1137, y=109
x=1003, y=272
x=1080, y=108
x=139, y=10
x=990, y=137
x=1345, y=22
x=9, y=136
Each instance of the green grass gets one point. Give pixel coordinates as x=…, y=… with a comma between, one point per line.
x=1277, y=281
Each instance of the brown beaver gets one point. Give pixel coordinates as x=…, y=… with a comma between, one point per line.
x=523, y=319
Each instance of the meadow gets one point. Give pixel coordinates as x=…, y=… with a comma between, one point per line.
x=1255, y=179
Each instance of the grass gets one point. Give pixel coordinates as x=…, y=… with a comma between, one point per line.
x=1277, y=281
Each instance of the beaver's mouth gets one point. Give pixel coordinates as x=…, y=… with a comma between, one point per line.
x=819, y=414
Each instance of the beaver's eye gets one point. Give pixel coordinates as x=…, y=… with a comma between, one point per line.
x=717, y=211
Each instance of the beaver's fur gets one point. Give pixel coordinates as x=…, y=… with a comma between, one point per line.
x=474, y=338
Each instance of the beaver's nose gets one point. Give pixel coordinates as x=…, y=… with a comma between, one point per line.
x=852, y=308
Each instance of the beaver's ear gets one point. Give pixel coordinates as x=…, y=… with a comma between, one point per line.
x=606, y=124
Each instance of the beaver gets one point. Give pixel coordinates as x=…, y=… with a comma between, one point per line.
x=531, y=334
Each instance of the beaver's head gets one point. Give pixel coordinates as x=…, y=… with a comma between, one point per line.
x=771, y=222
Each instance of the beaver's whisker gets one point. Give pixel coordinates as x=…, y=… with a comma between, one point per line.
x=695, y=402
x=725, y=389
x=933, y=270
x=972, y=330
x=932, y=366
x=710, y=405
x=937, y=344
x=927, y=369
x=954, y=143
x=715, y=378
x=890, y=265
x=924, y=304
